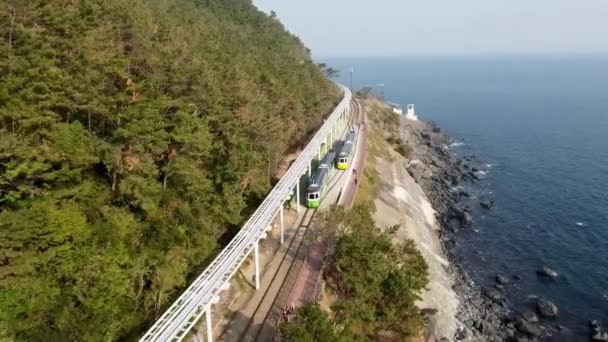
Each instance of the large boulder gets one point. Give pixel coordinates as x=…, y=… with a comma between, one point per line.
x=487, y=204
x=600, y=337
x=526, y=327
x=493, y=294
x=501, y=279
x=547, y=272
x=462, y=216
x=529, y=316
x=546, y=308
x=466, y=219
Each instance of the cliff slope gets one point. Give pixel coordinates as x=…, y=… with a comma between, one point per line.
x=135, y=137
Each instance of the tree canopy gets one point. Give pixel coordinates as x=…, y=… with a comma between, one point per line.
x=377, y=282
x=135, y=137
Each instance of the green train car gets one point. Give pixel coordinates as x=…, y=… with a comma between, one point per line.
x=319, y=180
x=346, y=151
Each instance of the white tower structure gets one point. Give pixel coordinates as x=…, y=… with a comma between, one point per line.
x=411, y=113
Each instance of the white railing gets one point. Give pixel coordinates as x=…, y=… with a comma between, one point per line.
x=181, y=316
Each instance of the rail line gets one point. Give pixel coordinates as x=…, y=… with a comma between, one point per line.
x=272, y=317
x=197, y=299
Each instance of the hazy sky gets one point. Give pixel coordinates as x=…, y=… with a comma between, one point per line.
x=352, y=28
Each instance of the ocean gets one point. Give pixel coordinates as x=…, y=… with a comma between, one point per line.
x=538, y=127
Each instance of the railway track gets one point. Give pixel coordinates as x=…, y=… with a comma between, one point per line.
x=262, y=324
x=268, y=329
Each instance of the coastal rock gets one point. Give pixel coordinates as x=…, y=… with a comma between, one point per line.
x=487, y=204
x=437, y=170
x=467, y=219
x=547, y=272
x=526, y=327
x=464, y=194
x=501, y=279
x=462, y=215
x=546, y=308
x=529, y=316
x=600, y=337
x=516, y=277
x=473, y=175
x=595, y=324
x=493, y=294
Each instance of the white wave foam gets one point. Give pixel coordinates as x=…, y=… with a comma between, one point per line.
x=456, y=144
x=489, y=166
x=581, y=224
x=482, y=173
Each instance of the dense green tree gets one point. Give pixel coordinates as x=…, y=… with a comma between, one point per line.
x=377, y=280
x=311, y=324
x=134, y=134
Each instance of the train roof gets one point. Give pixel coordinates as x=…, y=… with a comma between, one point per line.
x=347, y=146
x=328, y=159
x=350, y=137
x=317, y=178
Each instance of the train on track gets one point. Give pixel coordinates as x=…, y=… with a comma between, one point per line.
x=347, y=149
x=318, y=181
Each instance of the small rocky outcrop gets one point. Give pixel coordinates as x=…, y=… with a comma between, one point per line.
x=463, y=215
x=494, y=294
x=546, y=308
x=547, y=272
x=487, y=204
x=529, y=328
x=501, y=279
x=529, y=316
x=600, y=336
x=463, y=193
x=597, y=334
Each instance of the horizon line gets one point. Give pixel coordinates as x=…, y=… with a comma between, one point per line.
x=463, y=55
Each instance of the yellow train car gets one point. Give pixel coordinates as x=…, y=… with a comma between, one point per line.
x=344, y=156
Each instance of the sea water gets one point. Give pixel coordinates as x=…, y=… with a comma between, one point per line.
x=538, y=128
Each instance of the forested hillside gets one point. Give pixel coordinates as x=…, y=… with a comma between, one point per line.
x=135, y=137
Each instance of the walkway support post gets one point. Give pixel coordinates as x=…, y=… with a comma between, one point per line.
x=256, y=255
x=209, y=327
x=281, y=215
x=298, y=195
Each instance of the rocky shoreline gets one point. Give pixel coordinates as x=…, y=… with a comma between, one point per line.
x=484, y=313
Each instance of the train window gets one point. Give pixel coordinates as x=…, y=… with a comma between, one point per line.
x=342, y=160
